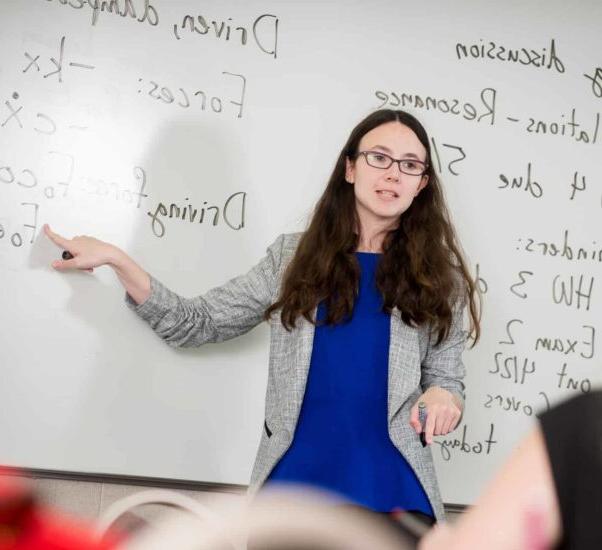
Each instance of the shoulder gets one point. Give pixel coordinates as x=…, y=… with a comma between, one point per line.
x=280, y=253
x=285, y=246
x=291, y=240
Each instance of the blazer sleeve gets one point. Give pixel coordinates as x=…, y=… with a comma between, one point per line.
x=222, y=313
x=442, y=365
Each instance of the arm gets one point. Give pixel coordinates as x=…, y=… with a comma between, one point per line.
x=442, y=372
x=89, y=253
x=442, y=366
x=222, y=313
x=519, y=510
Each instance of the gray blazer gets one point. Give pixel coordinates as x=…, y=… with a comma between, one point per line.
x=415, y=363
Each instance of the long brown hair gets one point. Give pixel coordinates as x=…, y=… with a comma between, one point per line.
x=422, y=271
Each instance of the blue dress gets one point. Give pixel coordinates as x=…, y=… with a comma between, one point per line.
x=341, y=440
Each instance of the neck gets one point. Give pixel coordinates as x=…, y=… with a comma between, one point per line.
x=371, y=238
x=372, y=242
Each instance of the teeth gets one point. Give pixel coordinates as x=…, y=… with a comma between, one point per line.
x=390, y=193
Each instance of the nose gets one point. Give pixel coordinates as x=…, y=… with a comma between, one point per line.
x=393, y=172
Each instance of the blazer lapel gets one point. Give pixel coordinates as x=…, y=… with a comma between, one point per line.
x=404, y=363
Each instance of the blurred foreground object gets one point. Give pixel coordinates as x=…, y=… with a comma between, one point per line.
x=25, y=524
x=547, y=495
x=182, y=522
x=283, y=520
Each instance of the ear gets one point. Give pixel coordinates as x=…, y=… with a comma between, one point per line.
x=423, y=183
x=349, y=170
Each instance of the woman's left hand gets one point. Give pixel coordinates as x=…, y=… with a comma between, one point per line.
x=442, y=413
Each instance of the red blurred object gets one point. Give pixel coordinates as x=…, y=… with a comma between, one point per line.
x=26, y=524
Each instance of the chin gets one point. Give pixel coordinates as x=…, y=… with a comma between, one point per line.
x=389, y=213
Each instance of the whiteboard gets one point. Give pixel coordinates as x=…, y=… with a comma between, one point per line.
x=241, y=108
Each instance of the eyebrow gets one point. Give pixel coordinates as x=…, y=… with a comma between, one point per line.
x=387, y=150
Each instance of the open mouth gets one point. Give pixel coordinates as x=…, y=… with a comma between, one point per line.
x=386, y=193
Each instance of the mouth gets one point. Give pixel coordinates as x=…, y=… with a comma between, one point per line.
x=385, y=193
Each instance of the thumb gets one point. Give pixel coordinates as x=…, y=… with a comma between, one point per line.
x=64, y=265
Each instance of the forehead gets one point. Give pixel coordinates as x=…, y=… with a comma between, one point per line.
x=396, y=137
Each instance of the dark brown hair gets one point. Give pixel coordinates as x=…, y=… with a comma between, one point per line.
x=422, y=271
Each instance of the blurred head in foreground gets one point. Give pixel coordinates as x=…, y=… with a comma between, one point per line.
x=283, y=519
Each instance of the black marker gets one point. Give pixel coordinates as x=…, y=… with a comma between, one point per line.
x=67, y=255
x=422, y=420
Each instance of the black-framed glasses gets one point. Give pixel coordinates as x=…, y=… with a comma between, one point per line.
x=409, y=166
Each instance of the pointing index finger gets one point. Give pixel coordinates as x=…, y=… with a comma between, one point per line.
x=56, y=238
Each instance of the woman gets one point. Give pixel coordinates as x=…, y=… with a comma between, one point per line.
x=365, y=309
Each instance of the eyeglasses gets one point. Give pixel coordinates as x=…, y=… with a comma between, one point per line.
x=411, y=167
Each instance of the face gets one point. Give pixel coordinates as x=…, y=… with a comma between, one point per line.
x=381, y=196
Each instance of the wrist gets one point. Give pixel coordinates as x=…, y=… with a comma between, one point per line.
x=116, y=258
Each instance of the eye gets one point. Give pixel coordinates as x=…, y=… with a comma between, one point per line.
x=378, y=160
x=412, y=167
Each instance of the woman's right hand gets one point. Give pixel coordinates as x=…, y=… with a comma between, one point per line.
x=87, y=252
